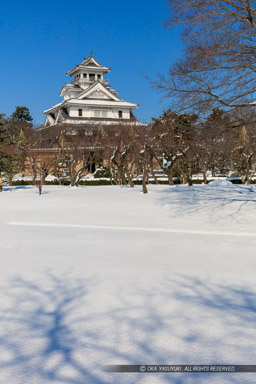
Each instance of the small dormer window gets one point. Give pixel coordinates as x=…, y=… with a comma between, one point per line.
x=120, y=114
x=91, y=76
x=99, y=77
x=80, y=112
x=85, y=75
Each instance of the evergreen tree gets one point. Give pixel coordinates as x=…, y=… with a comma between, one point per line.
x=9, y=137
x=22, y=114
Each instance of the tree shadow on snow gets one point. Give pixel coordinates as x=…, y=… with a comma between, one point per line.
x=36, y=333
x=48, y=334
x=211, y=201
x=24, y=188
x=17, y=188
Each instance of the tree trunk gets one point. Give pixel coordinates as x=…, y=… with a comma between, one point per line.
x=170, y=175
x=184, y=177
x=72, y=181
x=144, y=182
x=10, y=179
x=131, y=184
x=152, y=171
x=190, y=183
x=72, y=176
x=189, y=177
x=205, y=178
x=123, y=180
x=248, y=181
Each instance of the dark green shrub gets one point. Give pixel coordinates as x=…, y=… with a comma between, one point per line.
x=53, y=182
x=22, y=182
x=95, y=182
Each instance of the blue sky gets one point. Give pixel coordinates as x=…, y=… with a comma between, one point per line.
x=42, y=40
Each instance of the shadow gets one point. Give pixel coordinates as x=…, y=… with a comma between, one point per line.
x=227, y=202
x=24, y=187
x=16, y=188
x=38, y=340
x=63, y=330
x=191, y=321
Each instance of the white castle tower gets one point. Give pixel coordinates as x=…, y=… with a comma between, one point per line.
x=89, y=99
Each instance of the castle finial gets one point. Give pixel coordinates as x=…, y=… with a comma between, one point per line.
x=91, y=54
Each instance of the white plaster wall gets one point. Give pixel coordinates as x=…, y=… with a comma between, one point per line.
x=73, y=111
x=126, y=113
x=111, y=113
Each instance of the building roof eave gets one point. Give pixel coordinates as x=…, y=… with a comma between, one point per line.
x=88, y=68
x=56, y=106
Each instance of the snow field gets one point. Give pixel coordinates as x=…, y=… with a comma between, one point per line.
x=107, y=275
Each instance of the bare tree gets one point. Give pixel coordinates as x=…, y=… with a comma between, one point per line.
x=244, y=152
x=125, y=155
x=218, y=65
x=174, y=136
x=73, y=157
x=215, y=141
x=40, y=167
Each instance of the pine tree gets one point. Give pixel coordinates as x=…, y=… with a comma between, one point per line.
x=9, y=137
x=22, y=114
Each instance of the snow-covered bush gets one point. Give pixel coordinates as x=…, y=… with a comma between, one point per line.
x=220, y=183
x=102, y=172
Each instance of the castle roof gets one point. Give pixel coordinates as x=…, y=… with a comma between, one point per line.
x=89, y=63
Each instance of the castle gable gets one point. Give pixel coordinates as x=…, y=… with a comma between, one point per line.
x=99, y=92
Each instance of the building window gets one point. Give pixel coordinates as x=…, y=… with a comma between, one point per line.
x=100, y=113
x=80, y=112
x=99, y=77
x=120, y=114
x=91, y=76
x=85, y=75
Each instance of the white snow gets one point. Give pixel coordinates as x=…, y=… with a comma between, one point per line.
x=221, y=183
x=51, y=178
x=106, y=275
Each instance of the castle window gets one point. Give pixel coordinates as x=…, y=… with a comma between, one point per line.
x=99, y=77
x=80, y=112
x=91, y=76
x=120, y=114
x=85, y=75
x=100, y=113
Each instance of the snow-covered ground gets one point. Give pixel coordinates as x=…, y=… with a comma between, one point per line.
x=106, y=275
